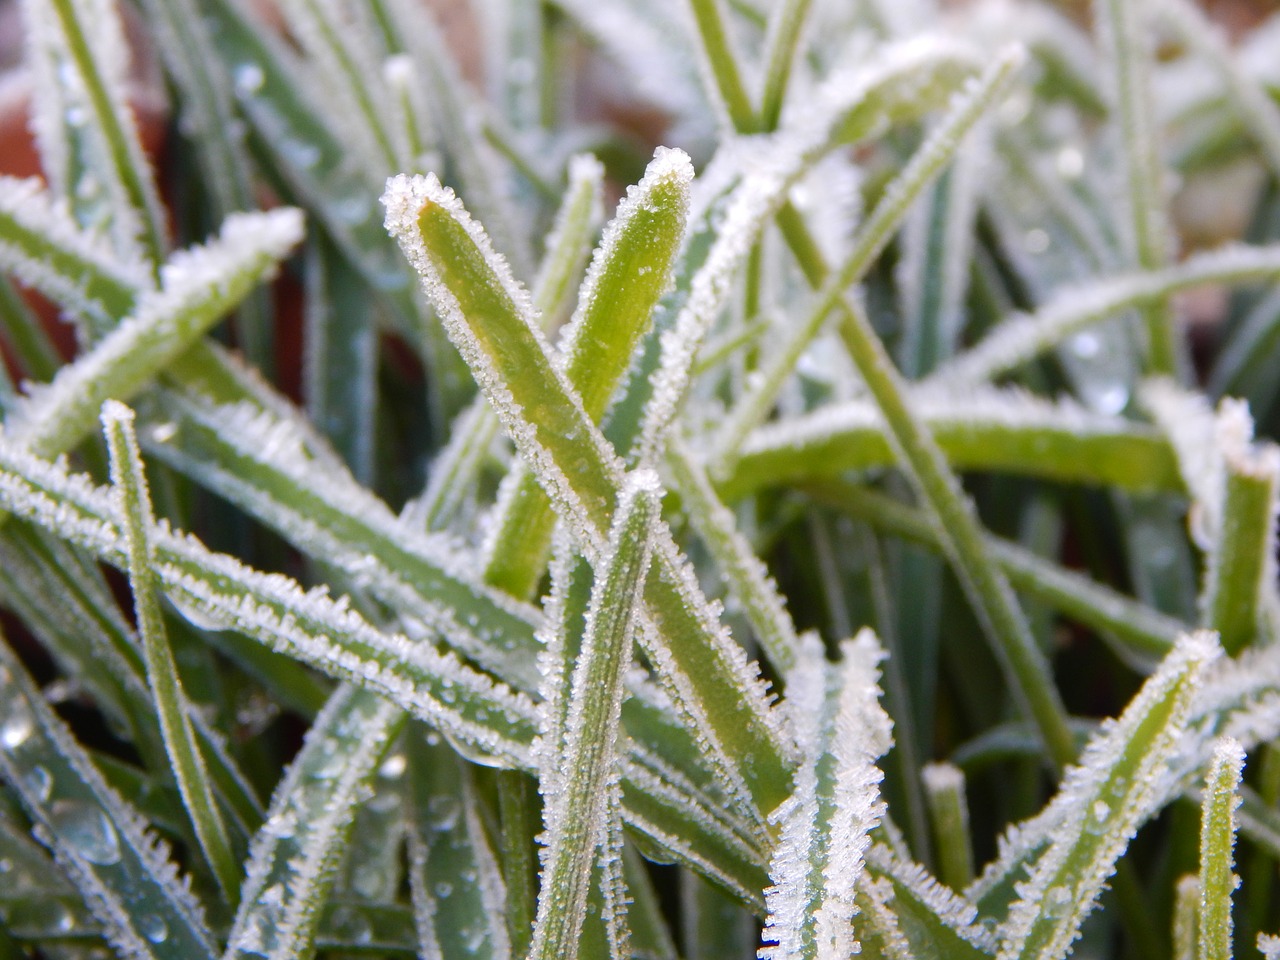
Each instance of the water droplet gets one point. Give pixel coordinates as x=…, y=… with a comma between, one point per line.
x=39, y=782
x=86, y=829
x=1036, y=240
x=353, y=210
x=300, y=153
x=443, y=889
x=248, y=78
x=393, y=767
x=1057, y=900
x=17, y=726
x=164, y=432
x=1108, y=398
x=154, y=928
x=1085, y=345
x=443, y=812
x=1070, y=163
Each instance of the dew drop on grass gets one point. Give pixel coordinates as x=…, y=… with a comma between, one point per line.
x=17, y=726
x=248, y=78
x=86, y=829
x=393, y=767
x=1056, y=901
x=154, y=928
x=39, y=782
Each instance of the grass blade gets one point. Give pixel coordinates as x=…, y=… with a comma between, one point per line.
x=629, y=272
x=1022, y=339
x=294, y=856
x=179, y=737
x=86, y=40
x=1217, y=842
x=1100, y=805
x=488, y=318
x=458, y=894
x=578, y=806
x=122, y=873
x=197, y=288
x=949, y=811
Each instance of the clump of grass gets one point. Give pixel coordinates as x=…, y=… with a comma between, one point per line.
x=842, y=545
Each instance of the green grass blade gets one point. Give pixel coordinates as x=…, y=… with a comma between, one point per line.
x=1022, y=339
x=1100, y=805
x=120, y=871
x=949, y=811
x=340, y=363
x=198, y=288
x=782, y=40
x=1217, y=843
x=87, y=41
x=976, y=430
x=458, y=893
x=873, y=235
x=717, y=51
x=1126, y=42
x=748, y=577
x=294, y=856
x=1144, y=635
x=1241, y=568
x=179, y=737
x=1186, y=917
x=931, y=916
x=578, y=800
x=629, y=272
x=219, y=591
x=44, y=248
x=34, y=567
x=488, y=318
x=259, y=463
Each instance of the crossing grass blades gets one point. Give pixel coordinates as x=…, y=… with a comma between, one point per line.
x=838, y=541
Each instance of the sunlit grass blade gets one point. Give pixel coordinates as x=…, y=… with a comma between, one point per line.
x=123, y=875
x=86, y=41
x=975, y=429
x=949, y=810
x=134, y=504
x=458, y=893
x=1217, y=844
x=487, y=316
x=1021, y=339
x=1100, y=805
x=452, y=476
x=628, y=274
x=580, y=804
x=294, y=855
x=197, y=288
